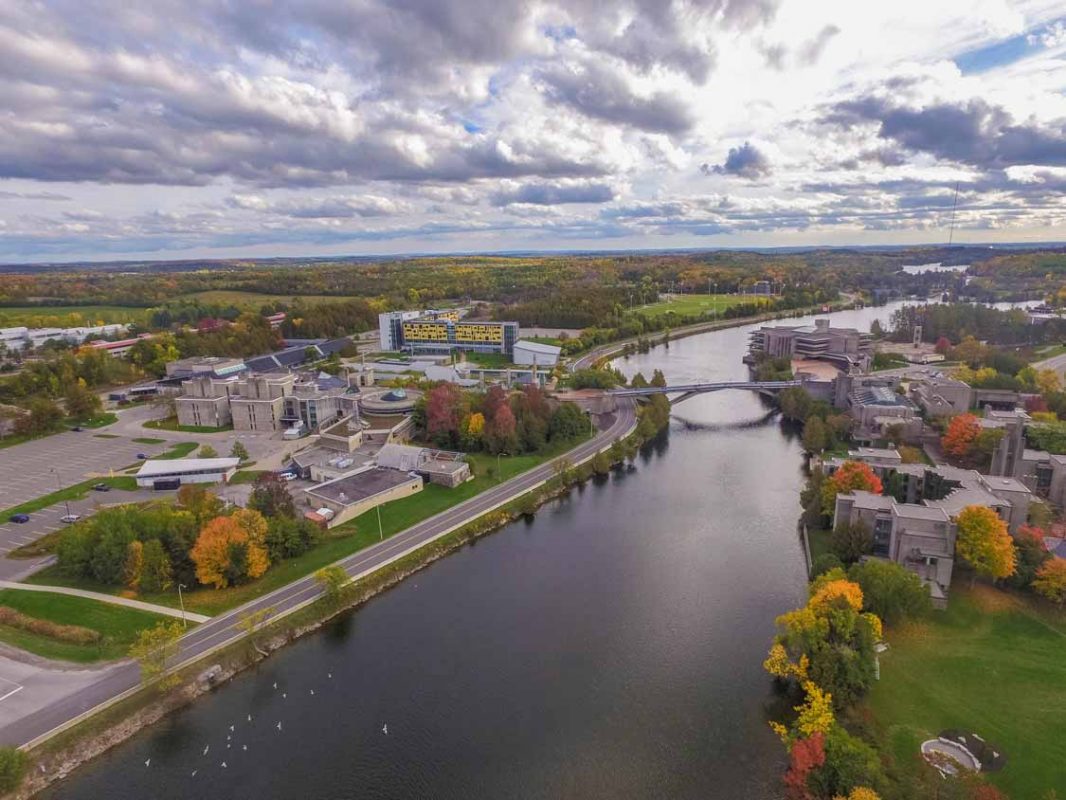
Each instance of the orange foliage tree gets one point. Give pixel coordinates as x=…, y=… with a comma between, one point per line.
x=1050, y=580
x=959, y=439
x=230, y=550
x=849, y=477
x=985, y=543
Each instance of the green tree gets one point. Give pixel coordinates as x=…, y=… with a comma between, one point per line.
x=156, y=572
x=568, y=422
x=153, y=648
x=891, y=591
x=795, y=403
x=80, y=402
x=207, y=451
x=851, y=542
x=239, y=451
x=12, y=768
x=271, y=498
x=815, y=435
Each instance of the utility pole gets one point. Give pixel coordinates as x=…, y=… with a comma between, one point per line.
x=59, y=488
x=381, y=531
x=181, y=602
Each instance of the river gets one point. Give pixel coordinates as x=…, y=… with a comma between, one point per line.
x=609, y=648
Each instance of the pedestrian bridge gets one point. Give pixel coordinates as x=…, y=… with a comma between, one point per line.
x=686, y=390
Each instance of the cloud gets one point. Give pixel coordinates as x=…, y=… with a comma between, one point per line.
x=341, y=207
x=972, y=132
x=811, y=51
x=746, y=161
x=600, y=93
x=33, y=196
x=551, y=194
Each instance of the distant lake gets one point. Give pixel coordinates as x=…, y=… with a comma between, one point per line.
x=919, y=269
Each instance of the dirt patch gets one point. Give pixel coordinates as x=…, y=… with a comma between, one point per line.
x=911, y=631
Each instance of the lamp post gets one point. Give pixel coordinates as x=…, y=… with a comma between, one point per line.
x=499, y=477
x=381, y=532
x=59, y=488
x=181, y=603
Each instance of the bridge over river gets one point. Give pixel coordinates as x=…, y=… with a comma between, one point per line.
x=686, y=390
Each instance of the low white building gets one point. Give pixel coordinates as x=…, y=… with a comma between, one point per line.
x=170, y=474
x=529, y=353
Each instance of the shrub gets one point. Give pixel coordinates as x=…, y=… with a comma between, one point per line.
x=12, y=768
x=891, y=591
x=824, y=563
x=74, y=634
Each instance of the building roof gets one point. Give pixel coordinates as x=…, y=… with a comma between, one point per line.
x=538, y=347
x=878, y=453
x=360, y=485
x=154, y=467
x=869, y=500
x=915, y=511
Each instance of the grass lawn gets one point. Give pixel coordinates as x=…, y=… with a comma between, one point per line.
x=75, y=492
x=99, y=421
x=180, y=450
x=39, y=316
x=118, y=626
x=994, y=663
x=171, y=424
x=818, y=539
x=489, y=360
x=341, y=541
x=246, y=475
x=689, y=304
x=147, y=440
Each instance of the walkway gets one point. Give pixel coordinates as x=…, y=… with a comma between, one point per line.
x=106, y=598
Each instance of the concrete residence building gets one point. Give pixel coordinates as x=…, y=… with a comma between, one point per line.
x=845, y=348
x=260, y=404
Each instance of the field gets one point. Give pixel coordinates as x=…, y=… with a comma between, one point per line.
x=994, y=663
x=68, y=316
x=341, y=541
x=258, y=299
x=695, y=304
x=117, y=625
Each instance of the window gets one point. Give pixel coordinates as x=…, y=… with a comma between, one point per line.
x=882, y=537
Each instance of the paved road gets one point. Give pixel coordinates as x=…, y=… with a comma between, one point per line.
x=220, y=630
x=1057, y=363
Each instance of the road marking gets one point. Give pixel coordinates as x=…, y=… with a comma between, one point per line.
x=18, y=688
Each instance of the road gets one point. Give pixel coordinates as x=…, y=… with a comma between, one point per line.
x=220, y=631
x=1057, y=363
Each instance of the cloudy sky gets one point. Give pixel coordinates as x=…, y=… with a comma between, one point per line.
x=191, y=128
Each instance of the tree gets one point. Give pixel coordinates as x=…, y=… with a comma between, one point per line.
x=156, y=574
x=849, y=477
x=891, y=591
x=251, y=621
x=152, y=649
x=983, y=541
x=943, y=345
x=270, y=497
x=44, y=417
x=225, y=554
x=239, y=451
x=1048, y=382
x=850, y=542
x=568, y=422
x=962, y=433
x=1032, y=553
x=1050, y=580
x=815, y=435
x=804, y=756
x=333, y=580
x=658, y=379
x=288, y=537
x=198, y=501
x=794, y=402
x=501, y=434
x=443, y=414
x=207, y=451
x=131, y=570
x=849, y=763
x=81, y=403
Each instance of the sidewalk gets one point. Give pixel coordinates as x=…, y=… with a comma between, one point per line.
x=105, y=598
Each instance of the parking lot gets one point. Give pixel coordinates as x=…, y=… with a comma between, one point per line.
x=26, y=469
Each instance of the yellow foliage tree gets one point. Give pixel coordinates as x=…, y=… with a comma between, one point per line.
x=131, y=570
x=829, y=595
x=476, y=424
x=1050, y=580
x=860, y=793
x=985, y=543
x=216, y=554
x=816, y=712
x=1047, y=381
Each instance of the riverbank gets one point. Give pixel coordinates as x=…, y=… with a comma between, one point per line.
x=58, y=753
x=607, y=352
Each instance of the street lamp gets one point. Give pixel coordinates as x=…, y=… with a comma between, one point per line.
x=181, y=602
x=499, y=477
x=381, y=532
x=59, y=488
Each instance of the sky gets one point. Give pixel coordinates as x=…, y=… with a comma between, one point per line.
x=254, y=128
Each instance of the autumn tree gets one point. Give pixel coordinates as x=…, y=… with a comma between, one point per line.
x=959, y=439
x=984, y=542
x=849, y=477
x=153, y=648
x=198, y=501
x=333, y=580
x=226, y=552
x=501, y=432
x=131, y=570
x=80, y=402
x=804, y=756
x=157, y=575
x=443, y=414
x=943, y=345
x=1050, y=580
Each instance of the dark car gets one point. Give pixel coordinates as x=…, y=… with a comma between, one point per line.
x=76, y=429
x=101, y=487
x=19, y=518
x=142, y=456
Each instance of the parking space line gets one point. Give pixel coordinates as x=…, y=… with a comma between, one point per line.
x=9, y=692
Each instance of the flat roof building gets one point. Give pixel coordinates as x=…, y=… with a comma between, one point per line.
x=167, y=474
x=444, y=331
x=529, y=353
x=845, y=347
x=351, y=495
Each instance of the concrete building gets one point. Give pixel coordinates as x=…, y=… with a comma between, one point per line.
x=530, y=353
x=442, y=467
x=319, y=400
x=205, y=402
x=121, y=347
x=164, y=474
x=1009, y=453
x=847, y=348
x=353, y=494
x=260, y=402
x=19, y=338
x=443, y=332
x=214, y=366
x=941, y=396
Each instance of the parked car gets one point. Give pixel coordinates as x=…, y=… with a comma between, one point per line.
x=101, y=487
x=288, y=476
x=19, y=518
x=76, y=429
x=67, y=519
x=142, y=456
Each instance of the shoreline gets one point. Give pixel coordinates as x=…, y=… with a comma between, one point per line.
x=55, y=755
